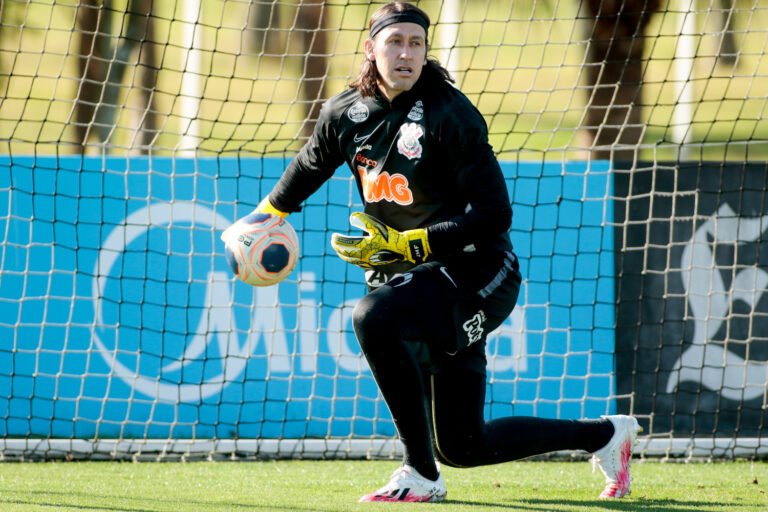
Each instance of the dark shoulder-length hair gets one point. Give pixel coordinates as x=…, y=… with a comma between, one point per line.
x=367, y=79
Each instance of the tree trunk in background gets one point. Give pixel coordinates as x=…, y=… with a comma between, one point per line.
x=263, y=20
x=92, y=66
x=615, y=75
x=728, y=51
x=149, y=70
x=311, y=21
x=102, y=68
x=4, y=77
x=265, y=30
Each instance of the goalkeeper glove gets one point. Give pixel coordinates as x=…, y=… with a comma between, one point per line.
x=381, y=245
x=264, y=207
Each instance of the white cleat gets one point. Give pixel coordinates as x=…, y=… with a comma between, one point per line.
x=408, y=486
x=614, y=458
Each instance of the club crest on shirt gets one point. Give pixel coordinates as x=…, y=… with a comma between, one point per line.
x=358, y=112
x=408, y=144
x=417, y=111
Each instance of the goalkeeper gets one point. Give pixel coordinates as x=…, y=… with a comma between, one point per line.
x=438, y=259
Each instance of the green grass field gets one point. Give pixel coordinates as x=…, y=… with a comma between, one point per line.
x=336, y=486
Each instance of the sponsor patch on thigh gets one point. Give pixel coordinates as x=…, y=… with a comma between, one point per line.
x=471, y=323
x=473, y=328
x=476, y=317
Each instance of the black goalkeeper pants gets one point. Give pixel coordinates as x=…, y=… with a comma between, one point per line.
x=441, y=416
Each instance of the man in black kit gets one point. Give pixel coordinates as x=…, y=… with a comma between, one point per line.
x=439, y=263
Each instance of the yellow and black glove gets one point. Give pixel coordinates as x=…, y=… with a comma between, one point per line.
x=264, y=207
x=381, y=245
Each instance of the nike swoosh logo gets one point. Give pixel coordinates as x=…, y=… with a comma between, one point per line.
x=445, y=271
x=406, y=279
x=360, y=139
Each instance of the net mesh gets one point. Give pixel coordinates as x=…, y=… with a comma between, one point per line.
x=632, y=134
x=554, y=79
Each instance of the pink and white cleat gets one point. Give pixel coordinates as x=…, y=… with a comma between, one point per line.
x=408, y=486
x=614, y=458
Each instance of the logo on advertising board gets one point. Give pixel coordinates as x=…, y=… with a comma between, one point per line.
x=214, y=335
x=215, y=325
x=693, y=304
x=712, y=301
x=143, y=324
x=180, y=338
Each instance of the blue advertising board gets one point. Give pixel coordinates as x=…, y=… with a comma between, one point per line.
x=119, y=316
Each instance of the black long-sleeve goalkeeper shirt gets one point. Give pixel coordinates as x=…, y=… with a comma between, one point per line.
x=421, y=161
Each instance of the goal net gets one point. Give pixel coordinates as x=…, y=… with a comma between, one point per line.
x=633, y=137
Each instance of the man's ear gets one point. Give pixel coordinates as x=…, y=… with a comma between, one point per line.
x=368, y=47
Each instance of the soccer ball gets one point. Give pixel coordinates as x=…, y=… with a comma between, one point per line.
x=261, y=249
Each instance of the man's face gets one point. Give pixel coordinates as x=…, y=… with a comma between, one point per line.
x=399, y=52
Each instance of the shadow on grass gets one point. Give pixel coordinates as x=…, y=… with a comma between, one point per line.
x=630, y=504
x=57, y=500
x=86, y=502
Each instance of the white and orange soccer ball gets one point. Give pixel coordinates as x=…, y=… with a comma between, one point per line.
x=262, y=249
